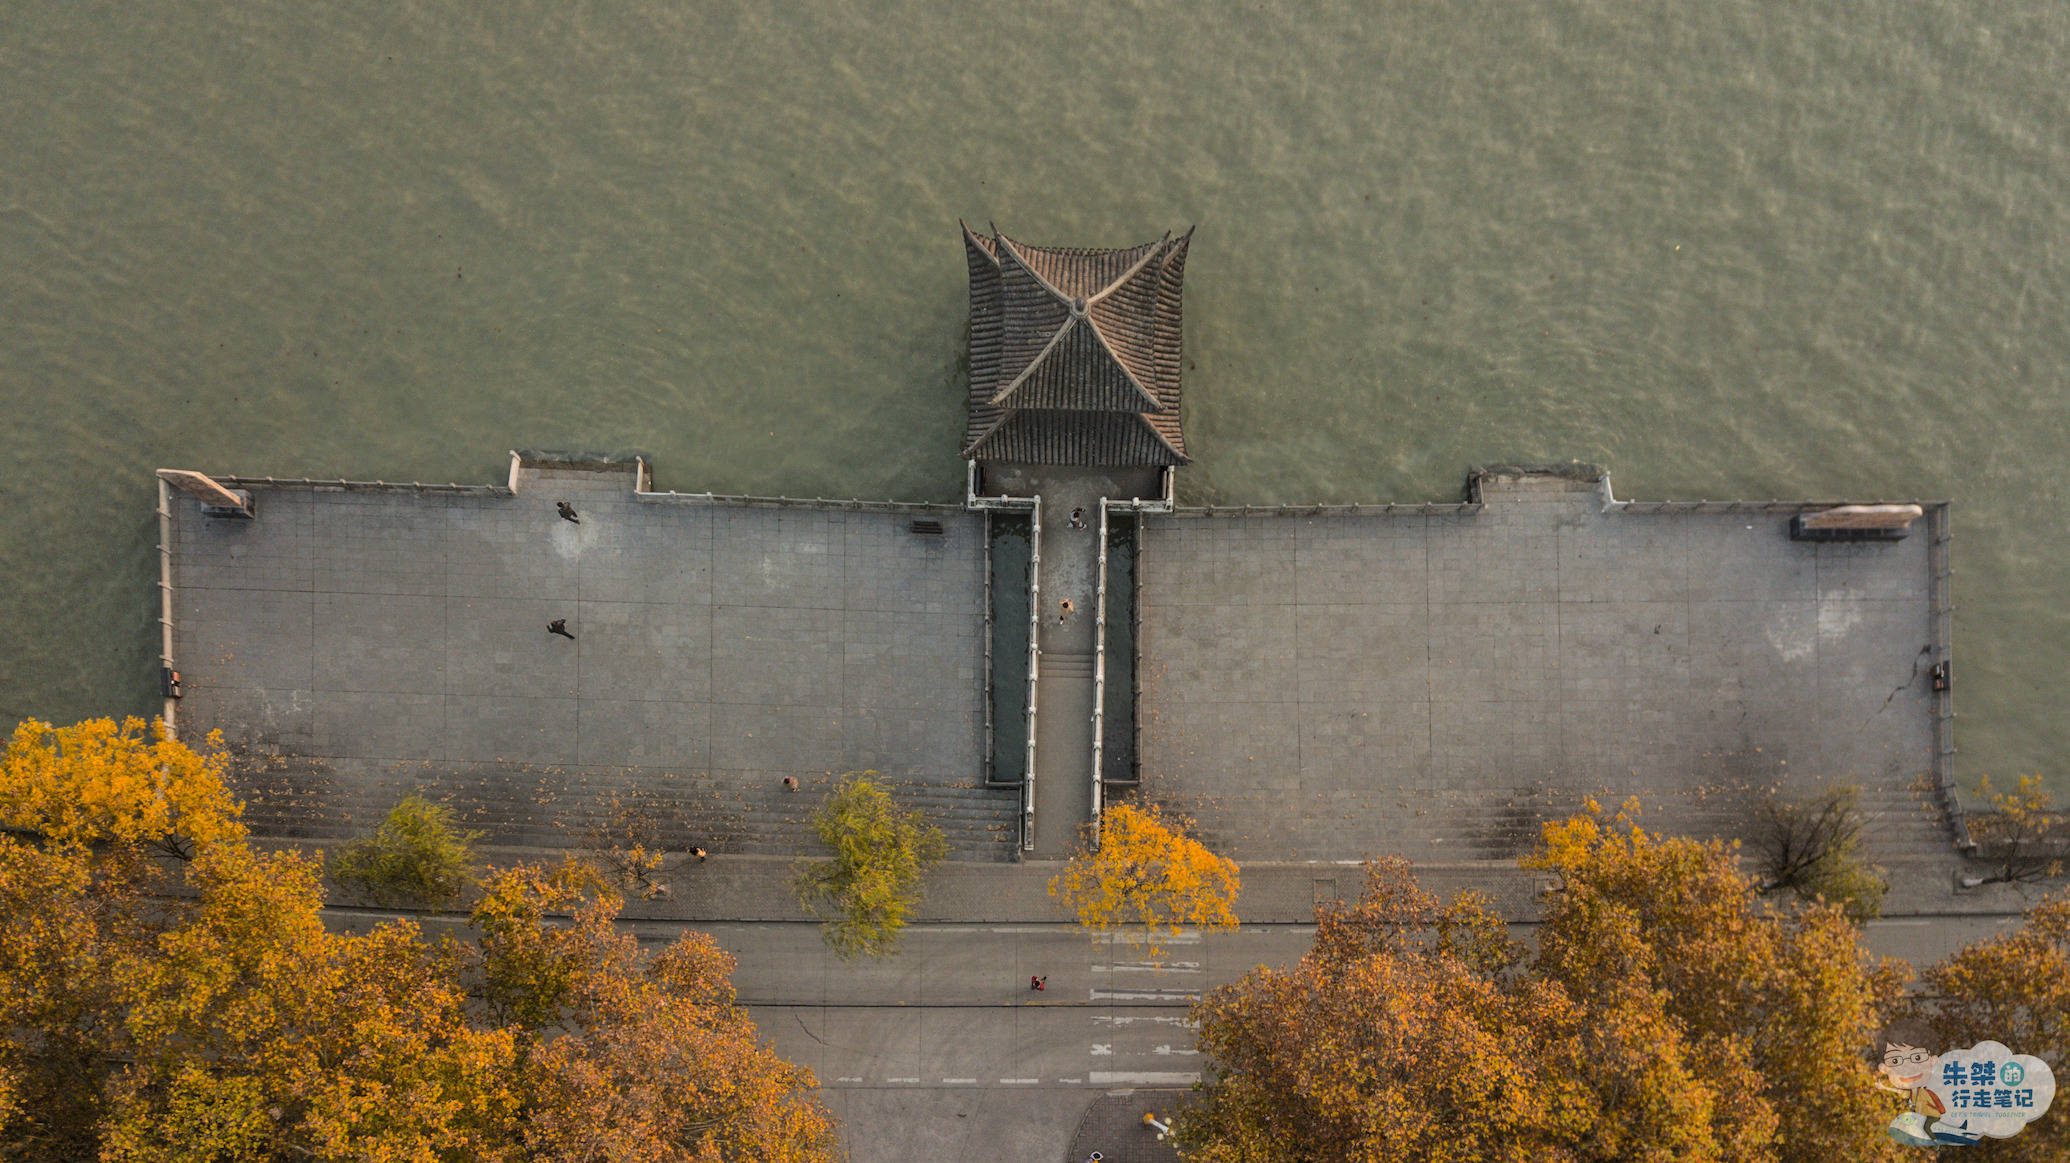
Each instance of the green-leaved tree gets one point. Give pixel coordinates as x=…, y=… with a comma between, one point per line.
x=417, y=856
x=871, y=884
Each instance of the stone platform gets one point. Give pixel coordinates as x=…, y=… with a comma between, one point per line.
x=1436, y=684
x=359, y=643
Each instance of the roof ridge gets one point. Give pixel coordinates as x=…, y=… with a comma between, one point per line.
x=991, y=428
x=1134, y=381
x=1121, y=280
x=1070, y=321
x=1012, y=248
x=1108, y=394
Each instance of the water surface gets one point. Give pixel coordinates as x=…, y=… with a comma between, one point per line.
x=1728, y=249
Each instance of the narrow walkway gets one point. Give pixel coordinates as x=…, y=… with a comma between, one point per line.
x=1064, y=690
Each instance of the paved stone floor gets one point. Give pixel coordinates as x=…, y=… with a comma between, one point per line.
x=355, y=646
x=1435, y=686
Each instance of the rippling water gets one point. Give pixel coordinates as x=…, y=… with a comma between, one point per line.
x=1751, y=250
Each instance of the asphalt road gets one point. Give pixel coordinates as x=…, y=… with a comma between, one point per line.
x=943, y=1052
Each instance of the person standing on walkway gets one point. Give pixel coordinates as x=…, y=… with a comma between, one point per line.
x=1078, y=518
x=567, y=512
x=560, y=626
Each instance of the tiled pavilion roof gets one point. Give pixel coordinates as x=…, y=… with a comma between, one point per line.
x=1074, y=354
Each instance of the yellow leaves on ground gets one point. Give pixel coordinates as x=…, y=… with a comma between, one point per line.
x=1146, y=875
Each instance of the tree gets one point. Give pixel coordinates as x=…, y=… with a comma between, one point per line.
x=1811, y=848
x=1147, y=875
x=871, y=885
x=2021, y=839
x=2015, y=989
x=628, y=842
x=130, y=787
x=185, y=1000
x=417, y=856
x=1667, y=1013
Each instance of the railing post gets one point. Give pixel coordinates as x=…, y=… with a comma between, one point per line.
x=1099, y=707
x=1034, y=673
x=169, y=706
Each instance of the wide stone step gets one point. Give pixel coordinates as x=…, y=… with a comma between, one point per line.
x=1066, y=665
x=574, y=809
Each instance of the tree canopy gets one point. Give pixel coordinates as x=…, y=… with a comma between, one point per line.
x=2013, y=988
x=1147, y=876
x=417, y=856
x=173, y=993
x=1666, y=1013
x=870, y=886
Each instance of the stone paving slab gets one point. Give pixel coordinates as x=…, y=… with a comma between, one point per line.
x=358, y=644
x=1435, y=685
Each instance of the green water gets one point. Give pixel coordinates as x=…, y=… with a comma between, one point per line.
x=1806, y=248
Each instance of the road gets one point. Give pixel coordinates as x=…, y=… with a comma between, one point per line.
x=979, y=1065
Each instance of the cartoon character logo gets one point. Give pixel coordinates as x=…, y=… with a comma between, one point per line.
x=1907, y=1068
x=1959, y=1096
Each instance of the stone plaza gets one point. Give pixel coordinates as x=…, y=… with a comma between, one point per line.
x=571, y=652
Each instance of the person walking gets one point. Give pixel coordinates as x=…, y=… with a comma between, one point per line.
x=567, y=512
x=1064, y=609
x=1038, y=984
x=560, y=626
x=1078, y=518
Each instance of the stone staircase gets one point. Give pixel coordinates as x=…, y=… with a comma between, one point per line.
x=1899, y=824
x=325, y=803
x=1060, y=665
x=1063, y=751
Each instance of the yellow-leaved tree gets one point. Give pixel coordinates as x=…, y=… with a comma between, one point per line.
x=2013, y=988
x=171, y=992
x=1147, y=877
x=1668, y=1012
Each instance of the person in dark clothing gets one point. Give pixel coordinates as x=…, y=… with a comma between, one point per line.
x=567, y=512
x=1078, y=518
x=560, y=626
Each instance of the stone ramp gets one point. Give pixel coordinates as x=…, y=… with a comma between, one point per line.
x=1063, y=753
x=1435, y=682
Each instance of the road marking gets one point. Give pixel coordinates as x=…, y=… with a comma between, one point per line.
x=1132, y=1019
x=1099, y=1051
x=1147, y=1078
x=1150, y=967
x=1166, y=1049
x=848, y=1079
x=1019, y=1081
x=901, y=1080
x=1187, y=995
x=1187, y=938
x=959, y=1082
